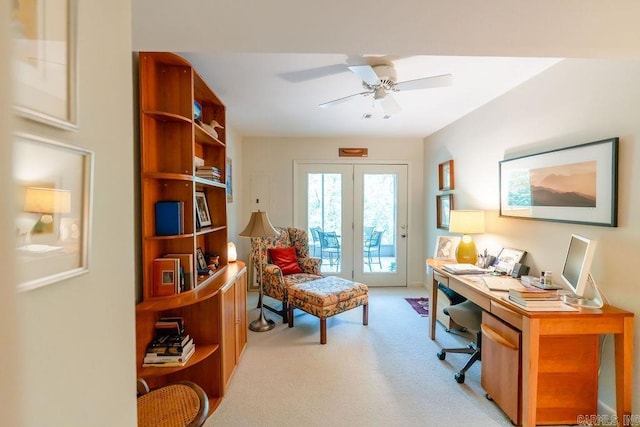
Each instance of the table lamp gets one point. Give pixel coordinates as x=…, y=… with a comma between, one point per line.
x=46, y=202
x=466, y=222
x=260, y=227
x=232, y=252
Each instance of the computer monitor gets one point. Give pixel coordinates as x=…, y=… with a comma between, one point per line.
x=576, y=273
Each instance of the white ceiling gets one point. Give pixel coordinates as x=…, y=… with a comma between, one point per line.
x=268, y=61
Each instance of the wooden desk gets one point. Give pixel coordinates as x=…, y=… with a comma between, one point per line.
x=541, y=332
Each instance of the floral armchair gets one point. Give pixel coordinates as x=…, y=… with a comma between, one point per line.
x=275, y=284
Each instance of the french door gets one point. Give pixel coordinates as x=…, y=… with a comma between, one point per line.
x=356, y=217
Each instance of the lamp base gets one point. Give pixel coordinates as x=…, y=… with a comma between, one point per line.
x=262, y=324
x=466, y=252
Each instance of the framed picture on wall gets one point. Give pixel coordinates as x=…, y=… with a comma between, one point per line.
x=228, y=180
x=45, y=61
x=445, y=176
x=53, y=210
x=576, y=184
x=444, y=204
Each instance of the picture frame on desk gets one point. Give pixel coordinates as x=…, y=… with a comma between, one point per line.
x=445, y=249
x=507, y=259
x=445, y=176
x=577, y=184
x=444, y=204
x=202, y=210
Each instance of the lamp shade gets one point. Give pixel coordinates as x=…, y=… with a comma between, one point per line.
x=466, y=222
x=259, y=226
x=47, y=200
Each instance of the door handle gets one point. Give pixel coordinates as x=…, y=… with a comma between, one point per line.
x=403, y=235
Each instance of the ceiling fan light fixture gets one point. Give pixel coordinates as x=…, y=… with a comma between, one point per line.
x=379, y=93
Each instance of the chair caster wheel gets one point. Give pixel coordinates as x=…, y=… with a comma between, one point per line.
x=441, y=355
x=459, y=378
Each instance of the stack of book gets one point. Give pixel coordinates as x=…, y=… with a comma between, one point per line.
x=209, y=172
x=535, y=297
x=171, y=346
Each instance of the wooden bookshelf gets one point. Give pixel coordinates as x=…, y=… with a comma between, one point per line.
x=170, y=139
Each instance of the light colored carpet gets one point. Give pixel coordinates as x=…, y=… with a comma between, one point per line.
x=386, y=373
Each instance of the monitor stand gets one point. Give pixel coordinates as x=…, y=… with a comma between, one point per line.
x=576, y=301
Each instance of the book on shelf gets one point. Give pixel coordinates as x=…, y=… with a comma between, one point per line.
x=169, y=217
x=187, y=266
x=178, y=341
x=169, y=351
x=169, y=326
x=168, y=361
x=166, y=276
x=463, y=268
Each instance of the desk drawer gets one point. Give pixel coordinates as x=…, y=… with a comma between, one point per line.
x=509, y=316
x=500, y=370
x=440, y=278
x=468, y=292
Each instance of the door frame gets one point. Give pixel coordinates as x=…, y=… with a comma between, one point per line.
x=301, y=222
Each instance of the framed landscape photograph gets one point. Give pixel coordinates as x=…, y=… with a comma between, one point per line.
x=444, y=204
x=45, y=61
x=202, y=209
x=445, y=176
x=576, y=184
x=53, y=210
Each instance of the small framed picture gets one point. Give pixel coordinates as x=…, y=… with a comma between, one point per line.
x=445, y=176
x=446, y=248
x=200, y=259
x=507, y=259
x=444, y=204
x=202, y=209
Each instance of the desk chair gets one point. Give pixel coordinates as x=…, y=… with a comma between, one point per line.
x=468, y=315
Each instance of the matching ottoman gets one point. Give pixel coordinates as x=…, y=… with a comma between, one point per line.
x=327, y=297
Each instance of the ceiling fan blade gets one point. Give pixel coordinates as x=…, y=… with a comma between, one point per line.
x=341, y=100
x=366, y=74
x=389, y=105
x=425, y=82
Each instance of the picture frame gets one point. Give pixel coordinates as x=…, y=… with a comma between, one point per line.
x=46, y=87
x=229, y=180
x=444, y=204
x=445, y=176
x=577, y=184
x=201, y=261
x=54, y=184
x=202, y=210
x=445, y=249
x=507, y=259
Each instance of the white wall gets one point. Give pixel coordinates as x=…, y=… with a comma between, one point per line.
x=574, y=102
x=77, y=336
x=272, y=159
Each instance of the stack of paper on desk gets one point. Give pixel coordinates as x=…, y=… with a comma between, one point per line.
x=502, y=283
x=464, y=269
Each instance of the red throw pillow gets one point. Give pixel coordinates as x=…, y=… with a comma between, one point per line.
x=286, y=259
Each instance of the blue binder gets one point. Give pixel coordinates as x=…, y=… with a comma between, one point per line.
x=169, y=218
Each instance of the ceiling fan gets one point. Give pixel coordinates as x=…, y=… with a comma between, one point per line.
x=380, y=80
